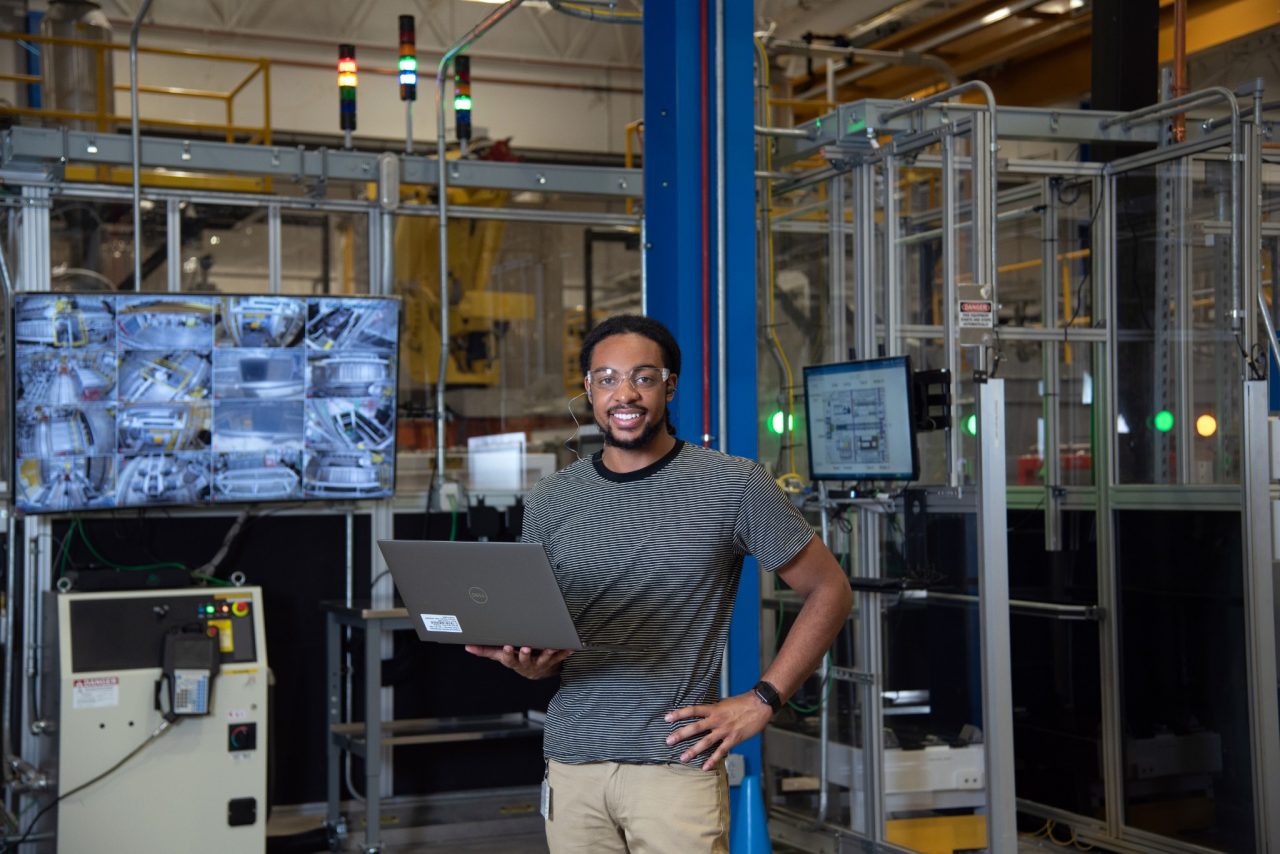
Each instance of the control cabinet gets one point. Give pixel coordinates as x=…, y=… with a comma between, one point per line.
x=201, y=785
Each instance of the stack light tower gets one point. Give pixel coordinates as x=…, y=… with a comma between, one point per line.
x=408, y=76
x=348, y=75
x=462, y=100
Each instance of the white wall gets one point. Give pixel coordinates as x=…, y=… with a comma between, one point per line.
x=555, y=108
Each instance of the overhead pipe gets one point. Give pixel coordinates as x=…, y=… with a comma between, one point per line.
x=136, y=135
x=592, y=10
x=929, y=44
x=885, y=57
x=785, y=133
x=442, y=186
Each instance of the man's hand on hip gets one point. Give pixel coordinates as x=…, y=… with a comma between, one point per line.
x=529, y=663
x=724, y=724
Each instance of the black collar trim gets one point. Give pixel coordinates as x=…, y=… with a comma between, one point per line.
x=597, y=459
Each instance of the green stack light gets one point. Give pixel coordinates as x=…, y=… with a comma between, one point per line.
x=462, y=97
x=1164, y=421
x=971, y=425
x=778, y=419
x=408, y=59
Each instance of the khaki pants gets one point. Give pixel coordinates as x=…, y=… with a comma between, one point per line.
x=606, y=807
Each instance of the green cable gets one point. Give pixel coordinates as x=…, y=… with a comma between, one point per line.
x=826, y=691
x=77, y=525
x=804, y=710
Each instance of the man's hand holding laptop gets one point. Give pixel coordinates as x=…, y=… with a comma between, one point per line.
x=528, y=662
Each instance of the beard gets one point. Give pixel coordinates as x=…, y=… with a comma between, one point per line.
x=645, y=437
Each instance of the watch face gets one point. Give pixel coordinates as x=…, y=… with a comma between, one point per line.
x=768, y=695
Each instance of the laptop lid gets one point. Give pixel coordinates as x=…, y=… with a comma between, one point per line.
x=489, y=594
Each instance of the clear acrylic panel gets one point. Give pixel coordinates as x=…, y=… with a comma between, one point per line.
x=224, y=248
x=91, y=245
x=517, y=318
x=1178, y=394
x=795, y=314
x=1184, y=677
x=1022, y=368
x=1057, y=683
x=324, y=252
x=931, y=681
x=919, y=242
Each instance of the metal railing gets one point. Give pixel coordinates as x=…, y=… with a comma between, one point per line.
x=104, y=116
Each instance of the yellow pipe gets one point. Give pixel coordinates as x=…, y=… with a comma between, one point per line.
x=165, y=123
x=154, y=51
x=633, y=127
x=1036, y=262
x=266, y=103
x=801, y=102
x=246, y=81
x=348, y=260
x=1018, y=266
x=100, y=89
x=174, y=90
x=185, y=181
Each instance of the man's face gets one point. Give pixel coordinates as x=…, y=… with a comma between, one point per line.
x=630, y=419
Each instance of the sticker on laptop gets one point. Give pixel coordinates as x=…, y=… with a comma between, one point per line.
x=441, y=623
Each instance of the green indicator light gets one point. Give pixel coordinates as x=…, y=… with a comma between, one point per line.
x=776, y=421
x=971, y=425
x=1164, y=421
x=817, y=124
x=462, y=102
x=855, y=126
x=408, y=63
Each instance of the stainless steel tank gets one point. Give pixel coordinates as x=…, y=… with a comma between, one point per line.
x=73, y=77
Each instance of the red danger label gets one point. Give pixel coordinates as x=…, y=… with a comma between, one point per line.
x=975, y=306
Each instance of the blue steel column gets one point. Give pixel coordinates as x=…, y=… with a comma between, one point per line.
x=673, y=113
x=672, y=193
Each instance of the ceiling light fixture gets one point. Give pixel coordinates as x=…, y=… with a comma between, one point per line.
x=998, y=15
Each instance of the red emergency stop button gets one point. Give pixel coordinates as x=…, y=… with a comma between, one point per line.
x=240, y=608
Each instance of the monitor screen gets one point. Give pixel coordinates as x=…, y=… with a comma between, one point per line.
x=135, y=400
x=860, y=422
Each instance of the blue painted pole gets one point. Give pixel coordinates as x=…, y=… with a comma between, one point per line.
x=673, y=193
x=35, y=96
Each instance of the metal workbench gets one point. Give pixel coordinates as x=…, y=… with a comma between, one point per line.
x=355, y=737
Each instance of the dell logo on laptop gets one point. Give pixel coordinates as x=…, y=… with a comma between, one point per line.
x=478, y=595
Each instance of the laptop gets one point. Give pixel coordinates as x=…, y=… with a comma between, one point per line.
x=487, y=594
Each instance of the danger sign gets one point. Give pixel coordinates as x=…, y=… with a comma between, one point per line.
x=977, y=314
x=102, y=692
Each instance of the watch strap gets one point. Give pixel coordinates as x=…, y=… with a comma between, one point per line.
x=768, y=695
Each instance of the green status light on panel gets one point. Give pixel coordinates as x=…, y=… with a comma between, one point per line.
x=1164, y=421
x=971, y=425
x=776, y=422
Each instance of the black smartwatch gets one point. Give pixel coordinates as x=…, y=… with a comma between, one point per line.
x=768, y=695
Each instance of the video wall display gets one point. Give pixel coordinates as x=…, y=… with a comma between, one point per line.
x=134, y=400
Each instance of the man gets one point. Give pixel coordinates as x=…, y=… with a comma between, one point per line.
x=647, y=539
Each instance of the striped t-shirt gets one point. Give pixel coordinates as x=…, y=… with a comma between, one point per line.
x=651, y=559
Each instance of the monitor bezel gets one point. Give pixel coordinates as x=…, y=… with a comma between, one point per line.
x=902, y=362
x=204, y=506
